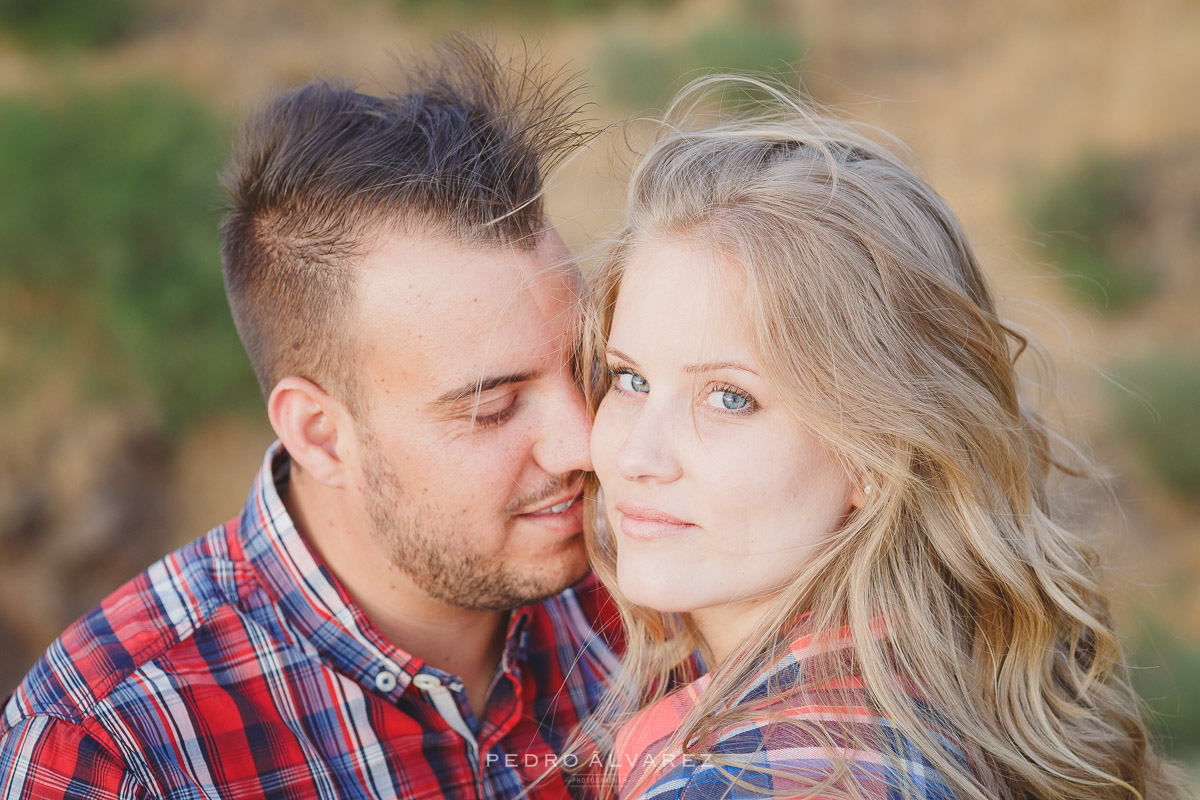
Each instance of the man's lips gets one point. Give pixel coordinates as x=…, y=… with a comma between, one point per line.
x=647, y=522
x=561, y=515
x=556, y=505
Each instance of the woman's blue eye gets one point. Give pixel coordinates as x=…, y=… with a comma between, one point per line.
x=727, y=400
x=632, y=382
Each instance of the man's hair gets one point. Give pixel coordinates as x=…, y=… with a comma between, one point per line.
x=460, y=153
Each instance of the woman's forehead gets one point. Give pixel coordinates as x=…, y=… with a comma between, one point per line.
x=681, y=300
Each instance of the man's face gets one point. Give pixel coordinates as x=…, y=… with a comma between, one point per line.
x=473, y=432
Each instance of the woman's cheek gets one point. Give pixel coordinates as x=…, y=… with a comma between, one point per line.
x=601, y=444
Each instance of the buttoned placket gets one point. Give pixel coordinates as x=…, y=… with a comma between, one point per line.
x=447, y=706
x=508, y=670
x=447, y=694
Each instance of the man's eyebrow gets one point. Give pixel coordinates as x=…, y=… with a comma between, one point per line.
x=710, y=366
x=455, y=396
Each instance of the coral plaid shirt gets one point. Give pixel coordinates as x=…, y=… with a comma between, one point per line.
x=650, y=768
x=238, y=667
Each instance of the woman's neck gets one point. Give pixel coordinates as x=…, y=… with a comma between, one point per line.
x=726, y=627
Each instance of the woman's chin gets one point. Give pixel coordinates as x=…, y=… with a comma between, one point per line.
x=656, y=595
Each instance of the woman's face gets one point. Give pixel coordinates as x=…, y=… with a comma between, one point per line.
x=715, y=493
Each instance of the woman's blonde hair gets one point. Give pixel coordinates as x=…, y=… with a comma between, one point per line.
x=871, y=315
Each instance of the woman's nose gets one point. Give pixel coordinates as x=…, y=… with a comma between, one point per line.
x=648, y=452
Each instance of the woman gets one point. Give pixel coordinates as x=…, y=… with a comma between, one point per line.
x=818, y=471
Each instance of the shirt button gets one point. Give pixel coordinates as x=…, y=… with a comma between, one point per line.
x=426, y=682
x=385, y=682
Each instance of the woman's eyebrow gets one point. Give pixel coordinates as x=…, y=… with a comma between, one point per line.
x=708, y=366
x=713, y=366
x=467, y=391
x=618, y=354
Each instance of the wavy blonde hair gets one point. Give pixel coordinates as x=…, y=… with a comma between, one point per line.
x=871, y=315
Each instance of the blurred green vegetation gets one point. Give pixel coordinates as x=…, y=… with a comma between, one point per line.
x=637, y=73
x=1165, y=672
x=525, y=9
x=1167, y=433
x=109, y=214
x=1088, y=213
x=69, y=23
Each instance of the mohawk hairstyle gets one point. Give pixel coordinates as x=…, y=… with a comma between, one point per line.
x=460, y=153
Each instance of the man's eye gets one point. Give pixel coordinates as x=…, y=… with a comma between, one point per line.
x=631, y=381
x=497, y=417
x=729, y=400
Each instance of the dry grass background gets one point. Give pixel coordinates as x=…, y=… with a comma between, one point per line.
x=989, y=96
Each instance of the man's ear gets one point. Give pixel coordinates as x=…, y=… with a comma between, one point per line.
x=311, y=424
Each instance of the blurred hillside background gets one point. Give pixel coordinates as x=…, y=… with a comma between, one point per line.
x=1065, y=134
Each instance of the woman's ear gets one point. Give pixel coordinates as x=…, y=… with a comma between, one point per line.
x=861, y=487
x=311, y=424
x=859, y=491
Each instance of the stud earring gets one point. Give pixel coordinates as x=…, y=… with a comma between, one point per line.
x=867, y=489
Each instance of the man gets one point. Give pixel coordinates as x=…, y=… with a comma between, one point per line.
x=411, y=316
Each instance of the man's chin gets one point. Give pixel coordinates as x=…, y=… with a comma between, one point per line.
x=574, y=577
x=534, y=590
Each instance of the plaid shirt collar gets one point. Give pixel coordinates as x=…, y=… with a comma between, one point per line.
x=317, y=604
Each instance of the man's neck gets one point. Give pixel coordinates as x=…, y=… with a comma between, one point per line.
x=459, y=641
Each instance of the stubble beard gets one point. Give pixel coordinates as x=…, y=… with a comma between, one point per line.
x=423, y=544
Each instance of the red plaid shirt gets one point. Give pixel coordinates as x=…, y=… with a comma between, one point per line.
x=238, y=667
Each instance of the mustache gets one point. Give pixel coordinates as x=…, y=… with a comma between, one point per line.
x=552, y=487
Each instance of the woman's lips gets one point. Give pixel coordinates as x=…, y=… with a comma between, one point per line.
x=648, y=523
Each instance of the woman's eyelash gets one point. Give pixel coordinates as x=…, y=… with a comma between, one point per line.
x=751, y=403
x=616, y=371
